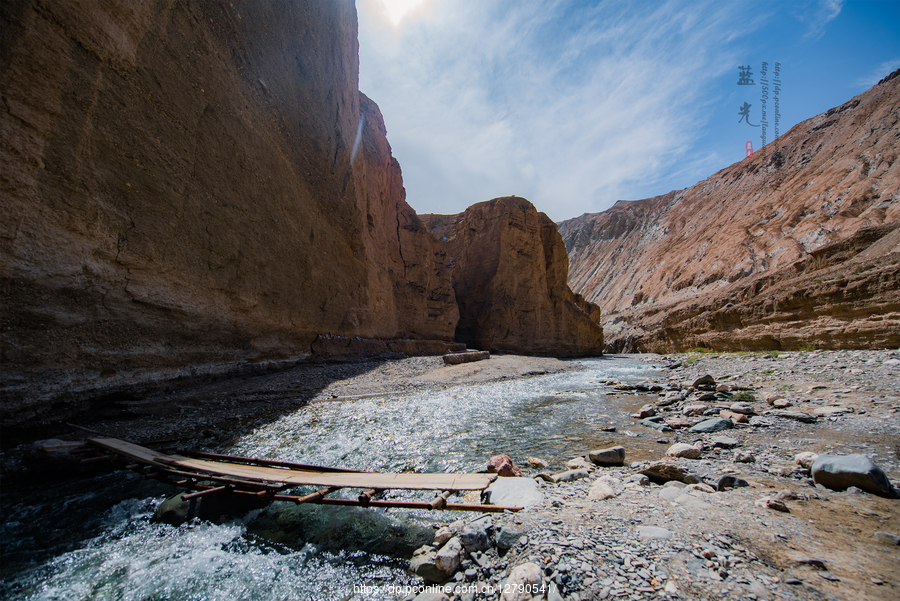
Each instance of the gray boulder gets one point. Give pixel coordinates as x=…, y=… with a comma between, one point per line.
x=840, y=472
x=713, y=424
x=610, y=456
x=506, y=537
x=515, y=492
x=474, y=538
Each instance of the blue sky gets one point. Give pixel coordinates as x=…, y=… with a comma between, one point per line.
x=575, y=105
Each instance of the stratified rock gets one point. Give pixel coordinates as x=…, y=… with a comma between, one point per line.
x=794, y=245
x=663, y=471
x=839, y=472
x=713, y=424
x=503, y=465
x=509, y=276
x=179, y=199
x=612, y=456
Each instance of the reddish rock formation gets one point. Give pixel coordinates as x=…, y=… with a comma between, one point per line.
x=178, y=195
x=509, y=275
x=794, y=246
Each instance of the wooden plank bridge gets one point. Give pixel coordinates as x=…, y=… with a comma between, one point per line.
x=209, y=473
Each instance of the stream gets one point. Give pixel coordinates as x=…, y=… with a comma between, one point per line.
x=103, y=543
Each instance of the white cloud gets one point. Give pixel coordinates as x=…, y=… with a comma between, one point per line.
x=572, y=107
x=878, y=73
x=817, y=15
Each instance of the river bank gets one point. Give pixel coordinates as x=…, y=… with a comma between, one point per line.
x=415, y=414
x=613, y=533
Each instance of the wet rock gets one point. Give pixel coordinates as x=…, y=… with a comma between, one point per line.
x=744, y=457
x=503, y=465
x=713, y=424
x=799, y=416
x=214, y=507
x=570, y=475
x=726, y=482
x=507, y=536
x=839, y=472
x=523, y=580
x=656, y=423
x=645, y=411
x=537, y=462
x=686, y=451
x=515, y=492
x=612, y=456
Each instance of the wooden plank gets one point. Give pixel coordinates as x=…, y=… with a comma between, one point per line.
x=365, y=480
x=137, y=452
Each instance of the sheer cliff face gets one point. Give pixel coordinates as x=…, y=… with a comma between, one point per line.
x=766, y=253
x=178, y=189
x=509, y=275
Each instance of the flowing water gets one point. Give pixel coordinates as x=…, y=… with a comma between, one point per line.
x=103, y=544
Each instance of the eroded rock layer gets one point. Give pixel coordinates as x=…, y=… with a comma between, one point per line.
x=509, y=276
x=794, y=246
x=178, y=194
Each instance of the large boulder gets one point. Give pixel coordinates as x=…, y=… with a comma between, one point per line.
x=525, y=582
x=513, y=492
x=840, y=472
x=608, y=457
x=503, y=466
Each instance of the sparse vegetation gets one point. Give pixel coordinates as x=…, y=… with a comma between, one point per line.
x=700, y=349
x=809, y=346
x=774, y=354
x=743, y=395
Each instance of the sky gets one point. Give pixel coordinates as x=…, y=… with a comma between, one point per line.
x=577, y=104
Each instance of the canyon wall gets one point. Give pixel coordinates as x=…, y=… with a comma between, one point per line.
x=796, y=246
x=179, y=196
x=509, y=276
